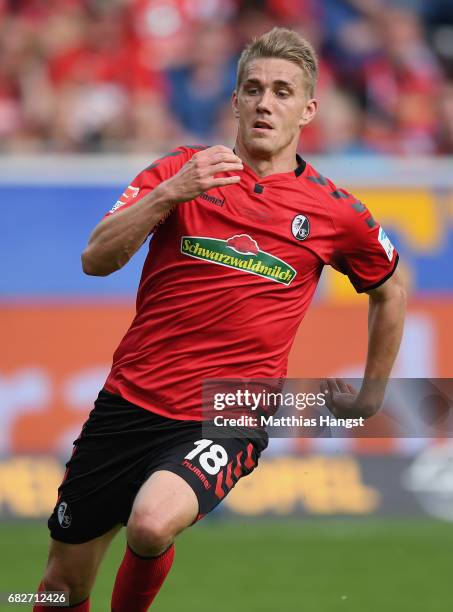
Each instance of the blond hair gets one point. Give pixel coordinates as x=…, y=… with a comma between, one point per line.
x=282, y=44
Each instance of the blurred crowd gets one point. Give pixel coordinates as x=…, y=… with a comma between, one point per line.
x=143, y=75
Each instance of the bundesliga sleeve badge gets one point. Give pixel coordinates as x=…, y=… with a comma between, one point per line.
x=129, y=194
x=386, y=244
x=300, y=227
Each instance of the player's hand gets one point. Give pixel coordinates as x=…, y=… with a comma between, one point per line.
x=199, y=174
x=344, y=401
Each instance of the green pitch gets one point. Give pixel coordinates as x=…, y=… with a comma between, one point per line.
x=307, y=566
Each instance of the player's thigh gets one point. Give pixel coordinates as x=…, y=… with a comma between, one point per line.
x=163, y=507
x=209, y=469
x=74, y=566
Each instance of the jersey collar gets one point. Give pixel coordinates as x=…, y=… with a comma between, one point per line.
x=301, y=165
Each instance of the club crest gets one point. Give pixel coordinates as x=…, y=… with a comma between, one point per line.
x=64, y=515
x=300, y=227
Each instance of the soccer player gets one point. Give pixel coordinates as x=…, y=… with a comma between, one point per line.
x=239, y=240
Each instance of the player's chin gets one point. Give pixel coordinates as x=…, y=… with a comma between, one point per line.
x=259, y=143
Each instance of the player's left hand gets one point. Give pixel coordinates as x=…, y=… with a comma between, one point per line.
x=344, y=401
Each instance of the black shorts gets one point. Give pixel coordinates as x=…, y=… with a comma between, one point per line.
x=121, y=445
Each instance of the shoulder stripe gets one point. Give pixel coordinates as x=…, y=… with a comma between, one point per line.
x=319, y=180
x=157, y=162
x=154, y=165
x=172, y=154
x=338, y=194
x=196, y=147
x=358, y=206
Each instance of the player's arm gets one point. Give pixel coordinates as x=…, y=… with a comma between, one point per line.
x=363, y=251
x=117, y=237
x=386, y=312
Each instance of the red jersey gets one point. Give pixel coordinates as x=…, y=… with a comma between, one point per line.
x=229, y=277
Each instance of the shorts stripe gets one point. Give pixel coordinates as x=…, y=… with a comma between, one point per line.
x=238, y=468
x=218, y=488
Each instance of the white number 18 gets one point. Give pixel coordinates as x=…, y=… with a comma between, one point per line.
x=211, y=461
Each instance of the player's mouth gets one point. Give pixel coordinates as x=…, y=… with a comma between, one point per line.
x=262, y=127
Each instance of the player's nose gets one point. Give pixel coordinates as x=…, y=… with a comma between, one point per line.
x=264, y=103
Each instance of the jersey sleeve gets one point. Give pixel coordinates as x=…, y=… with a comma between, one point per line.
x=160, y=170
x=361, y=248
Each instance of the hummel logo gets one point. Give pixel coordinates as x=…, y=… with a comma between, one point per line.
x=212, y=199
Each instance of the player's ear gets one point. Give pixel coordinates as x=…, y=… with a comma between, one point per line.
x=234, y=104
x=308, y=112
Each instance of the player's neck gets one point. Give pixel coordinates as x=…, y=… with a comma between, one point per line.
x=284, y=161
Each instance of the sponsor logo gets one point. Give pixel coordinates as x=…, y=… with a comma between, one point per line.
x=243, y=244
x=198, y=473
x=240, y=252
x=385, y=243
x=212, y=199
x=64, y=515
x=129, y=194
x=300, y=227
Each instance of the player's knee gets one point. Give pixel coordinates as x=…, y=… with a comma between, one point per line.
x=148, y=534
x=70, y=582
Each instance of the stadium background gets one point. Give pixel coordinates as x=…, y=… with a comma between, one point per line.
x=90, y=93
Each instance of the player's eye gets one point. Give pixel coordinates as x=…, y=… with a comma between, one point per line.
x=252, y=91
x=282, y=93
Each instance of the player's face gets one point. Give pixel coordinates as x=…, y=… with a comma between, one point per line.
x=272, y=106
